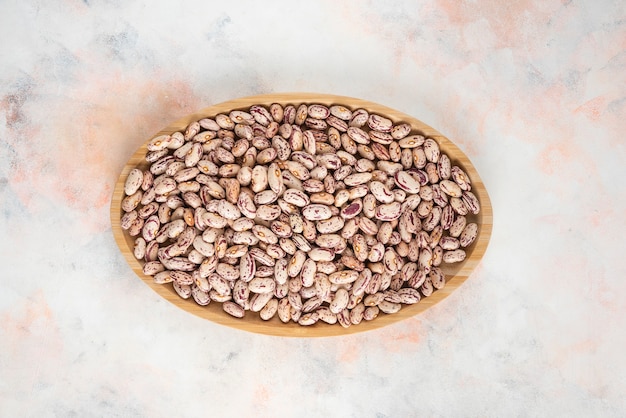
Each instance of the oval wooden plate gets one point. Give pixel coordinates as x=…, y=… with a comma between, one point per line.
x=456, y=274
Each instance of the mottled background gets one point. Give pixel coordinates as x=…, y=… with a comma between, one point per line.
x=533, y=91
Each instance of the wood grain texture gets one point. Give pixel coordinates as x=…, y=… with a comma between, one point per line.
x=456, y=274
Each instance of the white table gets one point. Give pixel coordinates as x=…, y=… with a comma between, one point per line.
x=533, y=92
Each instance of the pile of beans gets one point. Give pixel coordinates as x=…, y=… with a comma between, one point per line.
x=308, y=212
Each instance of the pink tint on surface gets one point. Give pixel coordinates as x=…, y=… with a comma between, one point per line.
x=554, y=156
x=349, y=351
x=507, y=22
x=261, y=395
x=594, y=108
x=405, y=336
x=97, y=128
x=30, y=334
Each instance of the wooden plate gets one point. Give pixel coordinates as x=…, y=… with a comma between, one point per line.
x=456, y=274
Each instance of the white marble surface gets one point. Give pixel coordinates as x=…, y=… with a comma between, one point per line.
x=533, y=91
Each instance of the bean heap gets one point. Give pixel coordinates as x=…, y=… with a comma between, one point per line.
x=308, y=212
